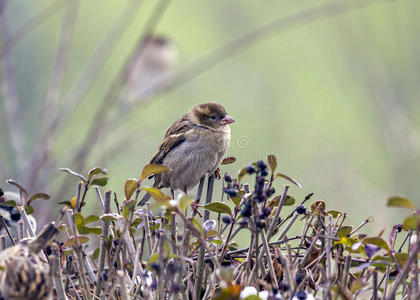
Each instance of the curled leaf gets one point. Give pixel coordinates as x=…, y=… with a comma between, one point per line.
x=153, y=169
x=241, y=174
x=96, y=171
x=13, y=182
x=39, y=196
x=67, y=170
x=288, y=178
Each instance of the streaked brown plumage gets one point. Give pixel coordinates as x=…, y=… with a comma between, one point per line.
x=23, y=275
x=193, y=146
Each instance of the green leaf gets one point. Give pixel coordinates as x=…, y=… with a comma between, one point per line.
x=198, y=226
x=252, y=297
x=344, y=231
x=218, y=207
x=272, y=162
x=29, y=210
x=334, y=213
x=288, y=178
x=228, y=160
x=411, y=222
x=128, y=206
x=157, y=194
x=95, y=254
x=81, y=239
x=13, y=182
x=380, y=242
x=241, y=174
x=108, y=217
x=96, y=171
x=289, y=201
x=67, y=170
x=78, y=218
x=184, y=202
x=129, y=187
x=89, y=230
x=100, y=181
x=152, y=169
x=400, y=201
x=39, y=196
x=91, y=218
x=235, y=199
x=9, y=203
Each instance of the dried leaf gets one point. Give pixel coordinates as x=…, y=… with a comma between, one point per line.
x=81, y=239
x=67, y=170
x=272, y=162
x=130, y=187
x=228, y=160
x=289, y=179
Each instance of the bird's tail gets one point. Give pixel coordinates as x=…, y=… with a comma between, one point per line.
x=46, y=234
x=144, y=199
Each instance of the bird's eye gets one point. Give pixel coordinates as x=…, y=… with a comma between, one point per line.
x=213, y=117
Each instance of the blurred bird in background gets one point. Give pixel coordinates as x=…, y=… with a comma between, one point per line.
x=156, y=58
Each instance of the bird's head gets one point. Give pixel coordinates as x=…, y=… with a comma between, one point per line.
x=211, y=115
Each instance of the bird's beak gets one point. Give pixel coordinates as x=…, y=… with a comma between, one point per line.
x=227, y=120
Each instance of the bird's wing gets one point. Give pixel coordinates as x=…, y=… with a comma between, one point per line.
x=174, y=137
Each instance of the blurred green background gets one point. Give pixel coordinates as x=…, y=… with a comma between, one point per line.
x=336, y=100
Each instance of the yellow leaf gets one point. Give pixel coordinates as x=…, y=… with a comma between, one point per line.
x=153, y=169
x=157, y=194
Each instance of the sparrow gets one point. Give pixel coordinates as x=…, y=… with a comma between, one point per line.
x=193, y=146
x=22, y=273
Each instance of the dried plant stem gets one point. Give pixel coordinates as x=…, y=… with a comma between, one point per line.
x=57, y=275
x=269, y=260
x=277, y=215
x=402, y=276
x=103, y=247
x=200, y=262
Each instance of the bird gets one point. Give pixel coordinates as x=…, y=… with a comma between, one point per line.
x=11, y=217
x=192, y=147
x=23, y=275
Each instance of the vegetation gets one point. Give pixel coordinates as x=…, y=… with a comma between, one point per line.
x=164, y=251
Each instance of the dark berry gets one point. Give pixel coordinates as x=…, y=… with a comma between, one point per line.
x=155, y=267
x=399, y=227
x=172, y=268
x=284, y=287
x=301, y=209
x=1, y=192
x=246, y=212
x=231, y=192
x=301, y=295
x=299, y=278
x=266, y=211
x=228, y=178
x=48, y=250
x=105, y=275
x=264, y=173
x=259, y=198
x=250, y=169
x=261, y=224
x=226, y=220
x=269, y=192
x=261, y=165
x=279, y=260
x=15, y=214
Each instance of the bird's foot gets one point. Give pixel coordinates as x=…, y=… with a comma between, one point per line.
x=194, y=207
x=217, y=174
